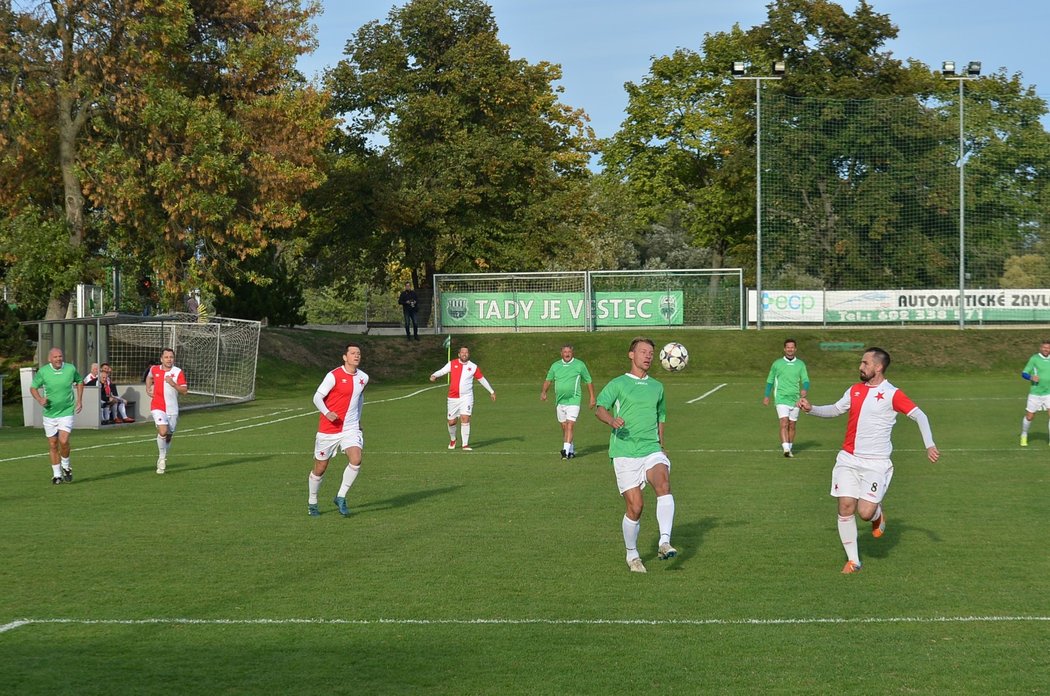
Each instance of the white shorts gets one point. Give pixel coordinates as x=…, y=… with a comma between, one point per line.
x=461, y=406
x=53, y=425
x=1037, y=403
x=163, y=418
x=567, y=413
x=789, y=412
x=327, y=444
x=630, y=471
x=863, y=479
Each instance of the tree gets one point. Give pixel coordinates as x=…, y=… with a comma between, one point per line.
x=478, y=156
x=677, y=150
x=859, y=154
x=179, y=133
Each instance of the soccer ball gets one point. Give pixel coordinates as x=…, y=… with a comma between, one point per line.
x=674, y=357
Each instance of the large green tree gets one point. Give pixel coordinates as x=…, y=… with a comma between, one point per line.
x=479, y=159
x=168, y=136
x=859, y=150
x=678, y=150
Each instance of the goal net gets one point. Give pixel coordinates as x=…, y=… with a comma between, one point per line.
x=219, y=355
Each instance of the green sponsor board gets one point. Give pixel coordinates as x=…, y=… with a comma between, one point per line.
x=539, y=309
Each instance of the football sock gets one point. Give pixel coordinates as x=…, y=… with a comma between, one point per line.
x=314, y=484
x=786, y=446
x=630, y=536
x=56, y=470
x=452, y=432
x=349, y=474
x=848, y=535
x=665, y=516
x=162, y=445
x=64, y=462
x=878, y=513
x=1025, y=425
x=567, y=446
x=464, y=431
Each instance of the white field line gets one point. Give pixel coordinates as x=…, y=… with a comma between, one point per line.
x=801, y=621
x=209, y=430
x=706, y=394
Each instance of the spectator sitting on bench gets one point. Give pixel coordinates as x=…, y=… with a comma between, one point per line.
x=92, y=376
x=114, y=407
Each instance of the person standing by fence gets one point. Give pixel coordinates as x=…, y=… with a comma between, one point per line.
x=409, y=301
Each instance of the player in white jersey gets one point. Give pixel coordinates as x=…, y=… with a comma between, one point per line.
x=164, y=383
x=863, y=469
x=339, y=399
x=461, y=394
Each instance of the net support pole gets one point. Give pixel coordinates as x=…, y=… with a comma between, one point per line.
x=962, y=214
x=758, y=204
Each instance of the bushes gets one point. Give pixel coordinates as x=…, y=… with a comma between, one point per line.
x=15, y=352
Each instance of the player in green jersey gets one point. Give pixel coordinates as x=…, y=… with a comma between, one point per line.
x=1039, y=393
x=788, y=381
x=633, y=406
x=568, y=374
x=58, y=378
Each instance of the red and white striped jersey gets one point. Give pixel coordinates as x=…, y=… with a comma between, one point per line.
x=461, y=381
x=165, y=397
x=872, y=412
x=341, y=392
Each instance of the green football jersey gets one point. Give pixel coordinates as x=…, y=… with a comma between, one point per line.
x=786, y=380
x=569, y=378
x=1038, y=365
x=58, y=388
x=640, y=403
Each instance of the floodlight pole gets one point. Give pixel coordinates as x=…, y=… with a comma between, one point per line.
x=971, y=75
x=758, y=190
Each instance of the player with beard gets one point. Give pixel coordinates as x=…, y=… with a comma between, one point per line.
x=863, y=469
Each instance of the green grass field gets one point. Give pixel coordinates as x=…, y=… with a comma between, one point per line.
x=501, y=570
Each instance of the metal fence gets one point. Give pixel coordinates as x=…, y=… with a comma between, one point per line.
x=589, y=300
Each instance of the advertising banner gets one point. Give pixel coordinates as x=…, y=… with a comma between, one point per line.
x=900, y=306
x=553, y=309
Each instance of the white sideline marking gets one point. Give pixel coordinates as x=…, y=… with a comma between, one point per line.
x=193, y=432
x=706, y=394
x=531, y=622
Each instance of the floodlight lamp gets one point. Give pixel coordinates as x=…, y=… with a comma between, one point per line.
x=973, y=68
x=779, y=67
x=739, y=68
x=948, y=68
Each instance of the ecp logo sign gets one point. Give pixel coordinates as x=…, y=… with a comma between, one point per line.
x=785, y=302
x=792, y=306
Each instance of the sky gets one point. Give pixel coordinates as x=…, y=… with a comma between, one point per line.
x=601, y=44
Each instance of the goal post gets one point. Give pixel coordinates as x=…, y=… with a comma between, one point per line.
x=219, y=356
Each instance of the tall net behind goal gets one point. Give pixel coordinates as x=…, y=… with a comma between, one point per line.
x=219, y=356
x=589, y=300
x=696, y=298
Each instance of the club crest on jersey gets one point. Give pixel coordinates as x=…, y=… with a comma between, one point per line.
x=456, y=307
x=880, y=396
